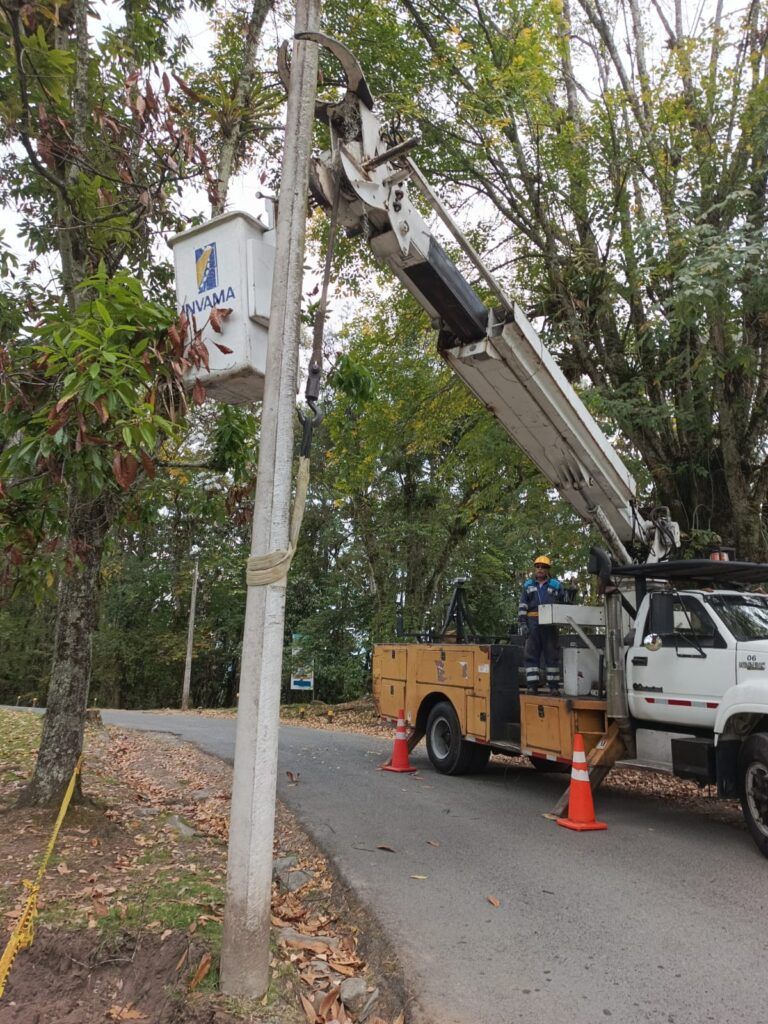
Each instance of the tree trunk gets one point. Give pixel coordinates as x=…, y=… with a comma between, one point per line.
x=232, y=132
x=62, y=739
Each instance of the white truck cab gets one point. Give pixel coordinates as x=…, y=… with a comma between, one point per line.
x=696, y=663
x=719, y=641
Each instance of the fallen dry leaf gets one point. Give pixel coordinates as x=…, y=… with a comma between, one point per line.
x=293, y=777
x=182, y=958
x=348, y=972
x=166, y=933
x=493, y=901
x=313, y=945
x=420, y=878
x=309, y=1009
x=328, y=1002
x=202, y=969
x=400, y=1018
x=63, y=869
x=116, y=1012
x=389, y=849
x=432, y=842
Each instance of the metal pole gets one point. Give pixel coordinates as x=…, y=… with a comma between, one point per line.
x=190, y=638
x=245, y=942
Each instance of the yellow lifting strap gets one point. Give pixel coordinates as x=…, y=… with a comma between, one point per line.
x=24, y=932
x=261, y=570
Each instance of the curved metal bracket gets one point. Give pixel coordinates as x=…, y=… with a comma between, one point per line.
x=356, y=82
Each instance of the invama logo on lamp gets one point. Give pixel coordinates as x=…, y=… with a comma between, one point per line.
x=206, y=267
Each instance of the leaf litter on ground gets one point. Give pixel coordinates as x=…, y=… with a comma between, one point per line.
x=128, y=868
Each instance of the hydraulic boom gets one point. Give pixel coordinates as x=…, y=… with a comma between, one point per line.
x=496, y=351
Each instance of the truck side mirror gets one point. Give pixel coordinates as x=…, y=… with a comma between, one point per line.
x=661, y=619
x=652, y=642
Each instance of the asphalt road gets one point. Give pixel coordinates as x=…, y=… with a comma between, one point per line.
x=662, y=918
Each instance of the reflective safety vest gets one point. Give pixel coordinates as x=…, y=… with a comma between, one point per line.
x=535, y=594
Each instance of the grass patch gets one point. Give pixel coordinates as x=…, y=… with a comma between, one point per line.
x=156, y=855
x=174, y=903
x=21, y=738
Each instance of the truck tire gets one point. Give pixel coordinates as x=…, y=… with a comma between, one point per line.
x=448, y=752
x=753, y=778
x=541, y=764
x=481, y=755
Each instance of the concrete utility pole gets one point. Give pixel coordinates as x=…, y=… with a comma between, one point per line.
x=190, y=639
x=245, y=943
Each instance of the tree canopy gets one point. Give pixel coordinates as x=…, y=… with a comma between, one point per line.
x=609, y=160
x=621, y=158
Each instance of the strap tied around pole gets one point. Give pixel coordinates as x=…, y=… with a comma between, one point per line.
x=261, y=570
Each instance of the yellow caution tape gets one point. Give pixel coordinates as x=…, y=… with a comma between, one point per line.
x=24, y=932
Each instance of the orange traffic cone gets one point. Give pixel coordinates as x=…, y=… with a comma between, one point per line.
x=581, y=807
x=399, y=761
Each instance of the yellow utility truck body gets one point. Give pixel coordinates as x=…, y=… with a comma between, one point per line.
x=467, y=700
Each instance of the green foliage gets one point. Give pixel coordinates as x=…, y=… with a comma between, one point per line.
x=234, y=442
x=627, y=172
x=352, y=379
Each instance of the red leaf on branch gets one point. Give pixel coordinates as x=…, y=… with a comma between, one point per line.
x=215, y=320
x=58, y=423
x=198, y=353
x=148, y=464
x=198, y=393
x=188, y=90
x=117, y=470
x=166, y=83
x=130, y=469
x=223, y=348
x=101, y=408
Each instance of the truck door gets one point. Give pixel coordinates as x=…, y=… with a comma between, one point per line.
x=681, y=683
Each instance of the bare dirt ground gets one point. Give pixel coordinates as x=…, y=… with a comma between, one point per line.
x=131, y=908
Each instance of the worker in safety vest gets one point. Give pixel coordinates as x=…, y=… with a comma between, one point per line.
x=540, y=641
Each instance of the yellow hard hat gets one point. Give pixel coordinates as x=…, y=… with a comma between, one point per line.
x=542, y=560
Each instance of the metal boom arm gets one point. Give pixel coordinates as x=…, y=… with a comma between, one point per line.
x=501, y=358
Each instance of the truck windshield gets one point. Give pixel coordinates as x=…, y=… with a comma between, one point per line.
x=745, y=615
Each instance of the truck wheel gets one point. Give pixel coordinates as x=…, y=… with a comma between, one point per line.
x=448, y=752
x=753, y=774
x=481, y=755
x=541, y=764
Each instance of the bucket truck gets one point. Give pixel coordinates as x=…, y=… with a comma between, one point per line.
x=682, y=645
